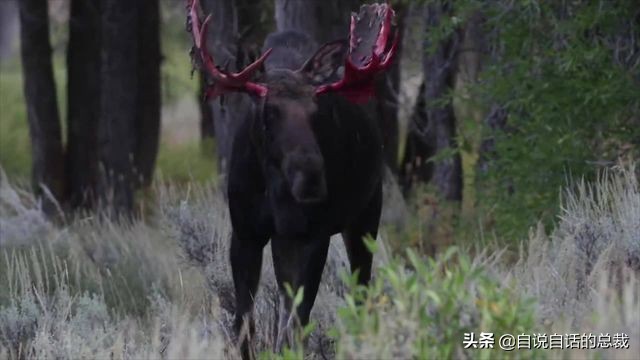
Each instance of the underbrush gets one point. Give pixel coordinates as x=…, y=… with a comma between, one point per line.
x=98, y=288
x=423, y=308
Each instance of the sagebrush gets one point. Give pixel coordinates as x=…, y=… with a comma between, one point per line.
x=161, y=288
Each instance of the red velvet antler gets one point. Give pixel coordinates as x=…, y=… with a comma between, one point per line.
x=223, y=81
x=368, y=53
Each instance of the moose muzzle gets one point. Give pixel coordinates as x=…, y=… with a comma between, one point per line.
x=304, y=171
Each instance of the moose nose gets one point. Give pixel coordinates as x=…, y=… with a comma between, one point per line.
x=309, y=188
x=305, y=173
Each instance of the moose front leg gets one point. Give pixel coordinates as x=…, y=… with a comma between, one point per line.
x=299, y=263
x=246, y=264
x=366, y=224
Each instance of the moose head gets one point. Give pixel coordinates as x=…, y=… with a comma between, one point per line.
x=287, y=94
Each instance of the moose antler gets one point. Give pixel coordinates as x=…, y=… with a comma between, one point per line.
x=369, y=52
x=222, y=81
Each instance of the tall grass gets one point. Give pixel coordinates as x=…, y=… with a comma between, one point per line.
x=585, y=275
x=162, y=288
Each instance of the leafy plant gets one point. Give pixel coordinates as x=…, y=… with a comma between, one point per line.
x=571, y=100
x=422, y=309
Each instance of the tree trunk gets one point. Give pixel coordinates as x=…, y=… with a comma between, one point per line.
x=387, y=88
x=148, y=82
x=439, y=71
x=299, y=15
x=207, y=128
x=485, y=45
x=118, y=108
x=83, y=96
x=236, y=32
x=207, y=124
x=41, y=101
x=254, y=22
x=322, y=20
x=494, y=122
x=419, y=148
x=387, y=96
x=221, y=41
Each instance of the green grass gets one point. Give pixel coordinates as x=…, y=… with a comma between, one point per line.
x=15, y=148
x=190, y=162
x=176, y=62
x=15, y=152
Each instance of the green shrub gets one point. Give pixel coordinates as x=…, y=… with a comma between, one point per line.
x=564, y=73
x=421, y=309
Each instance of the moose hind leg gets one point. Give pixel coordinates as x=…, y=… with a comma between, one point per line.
x=360, y=258
x=299, y=263
x=246, y=264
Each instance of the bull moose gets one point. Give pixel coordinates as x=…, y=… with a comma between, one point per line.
x=306, y=161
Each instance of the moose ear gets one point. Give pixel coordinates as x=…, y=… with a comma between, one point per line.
x=324, y=65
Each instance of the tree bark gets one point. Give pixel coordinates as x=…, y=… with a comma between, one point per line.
x=298, y=15
x=207, y=125
x=322, y=20
x=254, y=23
x=387, y=93
x=494, y=122
x=148, y=82
x=387, y=88
x=41, y=101
x=439, y=71
x=221, y=41
x=235, y=34
x=419, y=148
x=118, y=108
x=83, y=96
x=207, y=128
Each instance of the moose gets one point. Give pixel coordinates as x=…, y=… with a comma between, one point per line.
x=306, y=161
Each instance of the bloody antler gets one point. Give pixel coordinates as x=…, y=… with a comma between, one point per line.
x=369, y=53
x=222, y=81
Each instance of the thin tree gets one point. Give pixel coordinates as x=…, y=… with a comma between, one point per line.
x=419, y=147
x=322, y=20
x=118, y=106
x=41, y=100
x=439, y=66
x=387, y=93
x=236, y=32
x=148, y=90
x=83, y=96
x=207, y=128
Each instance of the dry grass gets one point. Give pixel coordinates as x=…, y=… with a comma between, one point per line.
x=162, y=288
x=585, y=276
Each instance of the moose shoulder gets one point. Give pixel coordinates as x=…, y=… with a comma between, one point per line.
x=307, y=161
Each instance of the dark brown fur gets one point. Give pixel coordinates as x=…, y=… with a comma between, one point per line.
x=303, y=168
